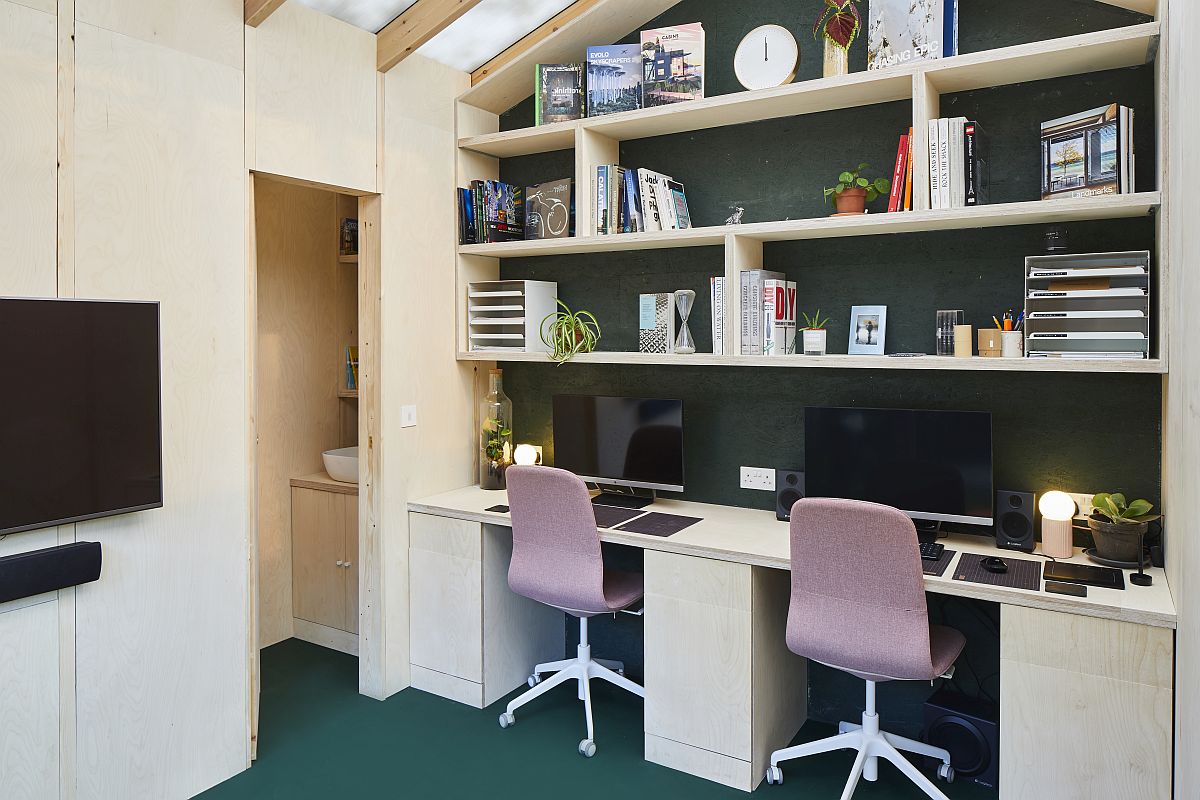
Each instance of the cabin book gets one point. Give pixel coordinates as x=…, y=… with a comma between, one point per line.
x=614, y=79
x=903, y=31
x=558, y=93
x=672, y=64
x=1088, y=154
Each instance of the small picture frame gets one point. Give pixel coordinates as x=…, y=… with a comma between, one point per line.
x=868, y=326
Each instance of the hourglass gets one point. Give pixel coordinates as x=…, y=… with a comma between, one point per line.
x=685, y=299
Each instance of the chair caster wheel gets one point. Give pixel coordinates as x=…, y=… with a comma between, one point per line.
x=507, y=719
x=534, y=680
x=621, y=672
x=587, y=748
x=774, y=776
x=946, y=773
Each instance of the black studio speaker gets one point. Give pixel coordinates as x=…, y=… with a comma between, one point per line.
x=1015, y=515
x=967, y=728
x=789, y=487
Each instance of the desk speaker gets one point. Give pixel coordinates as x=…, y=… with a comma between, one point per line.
x=1015, y=516
x=789, y=487
x=39, y=571
x=968, y=729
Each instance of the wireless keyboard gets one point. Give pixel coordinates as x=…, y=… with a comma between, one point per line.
x=932, y=551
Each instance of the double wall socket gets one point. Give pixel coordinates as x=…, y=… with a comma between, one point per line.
x=761, y=478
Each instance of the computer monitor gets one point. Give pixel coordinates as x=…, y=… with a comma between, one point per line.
x=932, y=465
x=620, y=441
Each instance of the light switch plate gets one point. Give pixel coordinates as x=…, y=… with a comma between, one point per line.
x=761, y=478
x=408, y=416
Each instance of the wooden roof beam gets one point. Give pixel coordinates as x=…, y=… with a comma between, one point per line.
x=256, y=11
x=416, y=26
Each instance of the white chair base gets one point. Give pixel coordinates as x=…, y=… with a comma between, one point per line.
x=871, y=744
x=582, y=668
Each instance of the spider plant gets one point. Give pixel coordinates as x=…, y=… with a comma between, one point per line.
x=569, y=332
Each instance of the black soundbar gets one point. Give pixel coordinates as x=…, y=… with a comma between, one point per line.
x=48, y=570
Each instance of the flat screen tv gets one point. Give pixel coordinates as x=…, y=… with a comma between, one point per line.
x=80, y=413
x=620, y=441
x=932, y=465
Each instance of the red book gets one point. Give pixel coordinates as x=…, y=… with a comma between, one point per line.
x=897, y=193
x=908, y=174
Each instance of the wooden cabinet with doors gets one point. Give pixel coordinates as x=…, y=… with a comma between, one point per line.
x=325, y=561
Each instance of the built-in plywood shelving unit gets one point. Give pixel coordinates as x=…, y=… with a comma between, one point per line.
x=597, y=140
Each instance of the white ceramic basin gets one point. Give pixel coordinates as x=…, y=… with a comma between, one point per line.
x=342, y=464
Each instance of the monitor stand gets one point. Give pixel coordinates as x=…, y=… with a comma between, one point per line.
x=622, y=499
x=927, y=530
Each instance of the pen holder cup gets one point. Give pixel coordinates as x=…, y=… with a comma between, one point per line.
x=989, y=342
x=1012, y=344
x=962, y=341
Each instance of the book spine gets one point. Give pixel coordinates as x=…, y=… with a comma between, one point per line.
x=621, y=220
x=600, y=221
x=791, y=316
x=935, y=185
x=649, y=208
x=768, y=316
x=537, y=94
x=756, y=312
x=718, y=315
x=958, y=184
x=908, y=174
x=666, y=205
x=898, y=175
x=744, y=311
x=970, y=166
x=944, y=162
x=631, y=193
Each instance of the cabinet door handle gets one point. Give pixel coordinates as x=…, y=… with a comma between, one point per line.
x=346, y=565
x=340, y=564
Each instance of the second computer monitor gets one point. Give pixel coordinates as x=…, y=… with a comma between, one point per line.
x=932, y=465
x=620, y=441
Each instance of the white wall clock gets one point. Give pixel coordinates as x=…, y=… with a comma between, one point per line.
x=768, y=56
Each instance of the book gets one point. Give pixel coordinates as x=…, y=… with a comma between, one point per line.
x=935, y=175
x=1088, y=154
x=901, y=32
x=897, y=193
x=956, y=148
x=908, y=175
x=672, y=64
x=637, y=221
x=679, y=205
x=601, y=210
x=716, y=287
x=656, y=323
x=663, y=201
x=550, y=210
x=466, y=216
x=751, y=309
x=352, y=368
x=614, y=79
x=558, y=93
x=348, y=237
x=943, y=162
x=504, y=212
x=975, y=156
x=779, y=317
x=651, y=217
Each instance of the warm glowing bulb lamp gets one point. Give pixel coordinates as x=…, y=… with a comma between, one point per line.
x=526, y=455
x=1058, y=513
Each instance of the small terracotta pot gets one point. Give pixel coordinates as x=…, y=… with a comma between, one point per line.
x=851, y=201
x=1117, y=541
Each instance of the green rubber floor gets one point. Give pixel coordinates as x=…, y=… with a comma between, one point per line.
x=319, y=738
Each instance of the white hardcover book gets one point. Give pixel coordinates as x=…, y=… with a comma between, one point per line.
x=1088, y=272
x=718, y=315
x=755, y=293
x=958, y=171
x=1068, y=354
x=1126, y=292
x=744, y=310
x=770, y=316
x=1089, y=335
x=935, y=184
x=656, y=323
x=650, y=215
x=666, y=204
x=1114, y=314
x=944, y=161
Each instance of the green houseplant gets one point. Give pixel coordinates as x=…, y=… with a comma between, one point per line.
x=1118, y=527
x=852, y=192
x=814, y=334
x=838, y=25
x=568, y=332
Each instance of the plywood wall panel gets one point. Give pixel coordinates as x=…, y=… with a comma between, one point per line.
x=29, y=701
x=315, y=99
x=160, y=215
x=210, y=29
x=28, y=156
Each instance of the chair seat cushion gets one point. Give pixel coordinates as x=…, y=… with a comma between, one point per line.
x=945, y=646
x=622, y=589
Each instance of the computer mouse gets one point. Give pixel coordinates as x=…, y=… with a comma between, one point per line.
x=994, y=564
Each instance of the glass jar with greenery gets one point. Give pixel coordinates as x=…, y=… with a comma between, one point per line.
x=495, y=433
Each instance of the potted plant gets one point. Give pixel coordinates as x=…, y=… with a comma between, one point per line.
x=1118, y=528
x=814, y=334
x=569, y=332
x=838, y=24
x=852, y=191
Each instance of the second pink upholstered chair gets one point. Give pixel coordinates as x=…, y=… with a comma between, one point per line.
x=858, y=605
x=556, y=560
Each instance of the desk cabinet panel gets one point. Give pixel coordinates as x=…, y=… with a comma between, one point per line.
x=318, y=552
x=445, y=595
x=1085, y=707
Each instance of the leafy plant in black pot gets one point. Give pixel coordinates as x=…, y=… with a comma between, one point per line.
x=1118, y=527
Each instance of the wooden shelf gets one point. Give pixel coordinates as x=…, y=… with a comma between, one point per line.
x=1035, y=212
x=350, y=394
x=352, y=259
x=1055, y=58
x=976, y=364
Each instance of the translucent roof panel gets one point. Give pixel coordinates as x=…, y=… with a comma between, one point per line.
x=370, y=15
x=487, y=30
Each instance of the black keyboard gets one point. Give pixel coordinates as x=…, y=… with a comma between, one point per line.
x=932, y=551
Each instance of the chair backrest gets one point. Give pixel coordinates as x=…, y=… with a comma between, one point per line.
x=556, y=556
x=858, y=592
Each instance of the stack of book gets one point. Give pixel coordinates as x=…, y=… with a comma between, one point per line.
x=490, y=211
x=768, y=313
x=637, y=201
x=1088, y=154
x=1088, y=306
x=900, y=198
x=958, y=163
x=666, y=67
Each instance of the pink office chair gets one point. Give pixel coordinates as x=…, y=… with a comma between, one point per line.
x=556, y=560
x=858, y=605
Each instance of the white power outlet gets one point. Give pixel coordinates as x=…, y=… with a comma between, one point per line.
x=761, y=478
x=408, y=416
x=1083, y=502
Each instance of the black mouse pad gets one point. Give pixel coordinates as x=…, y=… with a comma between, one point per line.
x=1022, y=573
x=938, y=568
x=656, y=524
x=498, y=509
x=607, y=516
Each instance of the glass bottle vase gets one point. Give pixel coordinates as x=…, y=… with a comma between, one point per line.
x=495, y=433
x=836, y=60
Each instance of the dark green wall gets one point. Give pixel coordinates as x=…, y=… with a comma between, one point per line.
x=1077, y=431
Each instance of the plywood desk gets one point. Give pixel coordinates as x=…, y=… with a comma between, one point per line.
x=722, y=691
